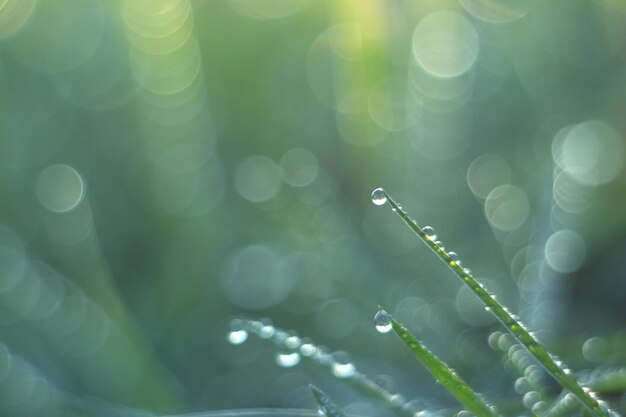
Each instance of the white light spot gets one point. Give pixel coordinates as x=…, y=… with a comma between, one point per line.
x=445, y=44
x=258, y=179
x=507, y=207
x=59, y=188
x=565, y=251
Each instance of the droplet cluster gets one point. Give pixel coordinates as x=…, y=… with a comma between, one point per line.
x=291, y=349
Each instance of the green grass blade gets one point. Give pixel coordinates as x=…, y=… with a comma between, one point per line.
x=512, y=324
x=444, y=374
x=328, y=407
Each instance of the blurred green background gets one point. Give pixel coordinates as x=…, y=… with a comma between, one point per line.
x=167, y=165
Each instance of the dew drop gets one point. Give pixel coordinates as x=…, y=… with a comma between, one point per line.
x=287, y=359
x=307, y=348
x=237, y=334
x=467, y=271
x=440, y=245
x=539, y=407
x=397, y=400
x=383, y=322
x=342, y=365
x=378, y=197
x=292, y=341
x=454, y=257
x=530, y=398
x=267, y=329
x=237, y=337
x=429, y=232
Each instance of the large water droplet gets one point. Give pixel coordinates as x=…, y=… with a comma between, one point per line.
x=454, y=256
x=382, y=321
x=378, y=197
x=287, y=359
x=429, y=232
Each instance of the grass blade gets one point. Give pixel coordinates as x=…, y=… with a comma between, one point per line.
x=443, y=373
x=328, y=407
x=562, y=375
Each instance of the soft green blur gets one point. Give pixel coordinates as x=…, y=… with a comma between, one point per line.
x=167, y=165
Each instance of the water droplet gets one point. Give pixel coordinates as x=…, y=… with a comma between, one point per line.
x=307, y=348
x=440, y=245
x=521, y=385
x=267, y=329
x=539, y=407
x=493, y=340
x=530, y=398
x=454, y=256
x=287, y=359
x=237, y=337
x=397, y=400
x=378, y=197
x=293, y=341
x=467, y=271
x=237, y=334
x=342, y=365
x=429, y=232
x=383, y=321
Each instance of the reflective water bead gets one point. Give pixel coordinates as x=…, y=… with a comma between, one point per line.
x=378, y=197
x=383, y=321
x=237, y=337
x=342, y=365
x=307, y=348
x=467, y=271
x=287, y=359
x=454, y=256
x=267, y=330
x=237, y=333
x=440, y=245
x=292, y=341
x=429, y=232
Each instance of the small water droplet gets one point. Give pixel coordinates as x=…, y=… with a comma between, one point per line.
x=530, y=398
x=521, y=385
x=429, y=232
x=307, y=348
x=383, y=322
x=342, y=365
x=293, y=341
x=397, y=400
x=440, y=245
x=454, y=256
x=287, y=359
x=237, y=337
x=237, y=334
x=539, y=407
x=467, y=271
x=378, y=197
x=267, y=329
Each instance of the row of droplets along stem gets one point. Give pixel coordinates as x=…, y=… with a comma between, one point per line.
x=442, y=373
x=291, y=348
x=510, y=321
x=530, y=382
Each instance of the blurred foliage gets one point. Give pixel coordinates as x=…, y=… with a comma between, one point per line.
x=169, y=164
